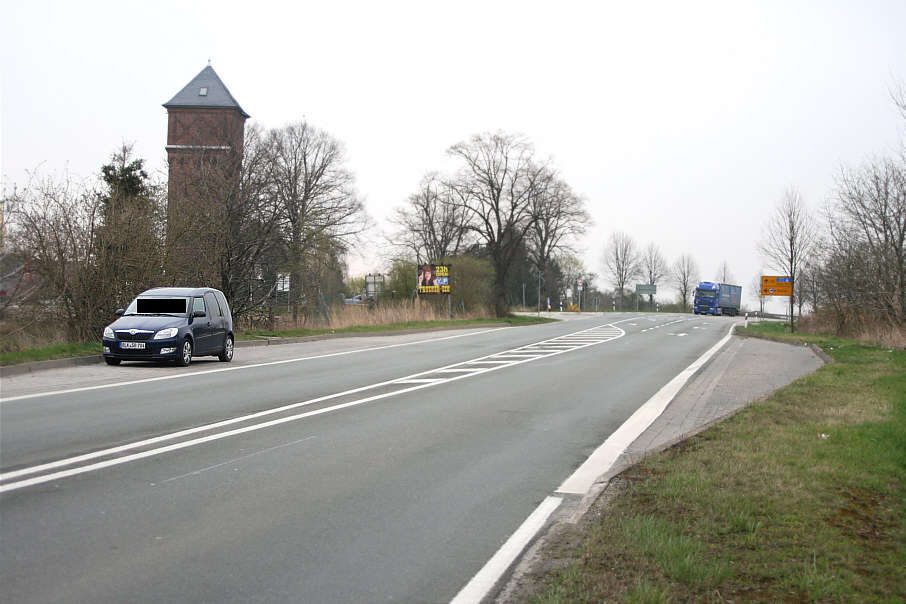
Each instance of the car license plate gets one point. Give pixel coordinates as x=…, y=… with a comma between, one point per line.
x=133, y=345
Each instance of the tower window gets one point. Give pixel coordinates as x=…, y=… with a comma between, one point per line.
x=203, y=91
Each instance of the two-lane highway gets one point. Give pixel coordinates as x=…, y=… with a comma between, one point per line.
x=350, y=470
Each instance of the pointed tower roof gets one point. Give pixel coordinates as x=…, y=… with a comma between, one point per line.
x=205, y=90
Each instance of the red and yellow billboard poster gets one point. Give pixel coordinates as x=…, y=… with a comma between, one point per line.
x=433, y=279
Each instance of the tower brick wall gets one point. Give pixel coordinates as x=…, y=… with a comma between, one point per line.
x=205, y=138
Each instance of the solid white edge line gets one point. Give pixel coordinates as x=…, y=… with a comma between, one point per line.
x=483, y=582
x=597, y=464
x=608, y=453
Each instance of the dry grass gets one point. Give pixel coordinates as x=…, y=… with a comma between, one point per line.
x=362, y=315
x=23, y=334
x=355, y=315
x=865, y=328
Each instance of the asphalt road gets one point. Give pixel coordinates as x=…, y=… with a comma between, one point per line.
x=351, y=470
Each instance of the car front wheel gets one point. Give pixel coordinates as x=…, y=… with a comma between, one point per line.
x=112, y=361
x=226, y=355
x=185, y=356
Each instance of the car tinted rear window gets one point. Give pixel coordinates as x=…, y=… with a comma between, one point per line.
x=152, y=306
x=224, y=307
x=213, y=306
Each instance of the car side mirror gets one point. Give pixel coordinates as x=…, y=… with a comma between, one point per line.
x=199, y=313
x=120, y=312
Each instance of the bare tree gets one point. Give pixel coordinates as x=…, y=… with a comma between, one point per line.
x=495, y=187
x=316, y=199
x=654, y=268
x=684, y=275
x=723, y=273
x=227, y=209
x=898, y=96
x=250, y=248
x=846, y=279
x=867, y=220
x=788, y=240
x=75, y=240
x=572, y=269
x=756, y=291
x=623, y=262
x=431, y=225
x=560, y=217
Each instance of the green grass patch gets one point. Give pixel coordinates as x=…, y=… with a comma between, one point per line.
x=58, y=351
x=761, y=507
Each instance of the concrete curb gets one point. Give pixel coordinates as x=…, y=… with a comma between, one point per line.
x=23, y=368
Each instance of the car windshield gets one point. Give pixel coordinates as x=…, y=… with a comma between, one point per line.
x=145, y=305
x=703, y=293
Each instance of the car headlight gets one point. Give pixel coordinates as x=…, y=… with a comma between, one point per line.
x=108, y=333
x=164, y=334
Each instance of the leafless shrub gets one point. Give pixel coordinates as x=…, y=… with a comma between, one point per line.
x=864, y=268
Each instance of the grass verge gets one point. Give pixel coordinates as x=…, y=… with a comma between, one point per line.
x=762, y=507
x=57, y=351
x=62, y=351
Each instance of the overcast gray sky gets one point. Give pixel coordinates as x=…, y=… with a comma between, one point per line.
x=682, y=123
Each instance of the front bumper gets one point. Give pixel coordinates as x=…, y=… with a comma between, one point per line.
x=154, y=350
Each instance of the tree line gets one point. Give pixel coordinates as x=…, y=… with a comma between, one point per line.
x=277, y=228
x=504, y=206
x=847, y=262
x=286, y=212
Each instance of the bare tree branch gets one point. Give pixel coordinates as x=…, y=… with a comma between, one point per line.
x=684, y=275
x=623, y=261
x=431, y=224
x=495, y=187
x=788, y=240
x=317, y=201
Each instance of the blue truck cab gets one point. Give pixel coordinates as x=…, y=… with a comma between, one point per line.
x=716, y=299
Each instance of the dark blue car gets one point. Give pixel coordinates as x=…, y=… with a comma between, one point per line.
x=171, y=324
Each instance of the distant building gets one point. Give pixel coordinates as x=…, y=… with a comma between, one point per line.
x=205, y=138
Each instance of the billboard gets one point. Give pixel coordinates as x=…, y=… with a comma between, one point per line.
x=433, y=279
x=776, y=286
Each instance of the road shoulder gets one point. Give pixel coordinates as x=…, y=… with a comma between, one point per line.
x=746, y=370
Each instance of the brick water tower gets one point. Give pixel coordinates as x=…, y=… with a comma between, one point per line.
x=205, y=137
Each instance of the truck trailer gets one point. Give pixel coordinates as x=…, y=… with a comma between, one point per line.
x=717, y=299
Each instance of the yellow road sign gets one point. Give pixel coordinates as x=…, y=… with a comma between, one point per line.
x=776, y=286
